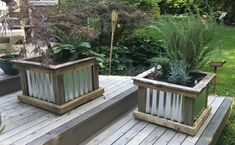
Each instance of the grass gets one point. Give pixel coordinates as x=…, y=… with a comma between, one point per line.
x=225, y=75
x=226, y=78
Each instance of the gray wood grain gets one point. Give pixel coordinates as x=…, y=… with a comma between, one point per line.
x=216, y=125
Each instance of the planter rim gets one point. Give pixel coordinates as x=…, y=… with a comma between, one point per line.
x=27, y=61
x=193, y=90
x=58, y=69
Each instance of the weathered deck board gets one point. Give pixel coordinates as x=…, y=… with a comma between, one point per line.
x=136, y=132
x=25, y=123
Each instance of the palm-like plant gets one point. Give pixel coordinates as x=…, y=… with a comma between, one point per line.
x=188, y=39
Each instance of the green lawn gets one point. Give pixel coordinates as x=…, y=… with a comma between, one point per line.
x=226, y=78
x=225, y=75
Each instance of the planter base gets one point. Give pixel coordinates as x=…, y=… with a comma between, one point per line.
x=61, y=109
x=191, y=130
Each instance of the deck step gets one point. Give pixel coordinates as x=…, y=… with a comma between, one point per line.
x=130, y=131
x=25, y=124
x=9, y=84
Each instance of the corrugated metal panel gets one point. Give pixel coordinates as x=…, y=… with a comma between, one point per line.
x=76, y=83
x=40, y=85
x=164, y=104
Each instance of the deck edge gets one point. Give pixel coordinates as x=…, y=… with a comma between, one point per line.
x=216, y=125
x=82, y=127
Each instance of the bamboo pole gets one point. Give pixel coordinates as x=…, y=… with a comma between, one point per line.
x=114, y=24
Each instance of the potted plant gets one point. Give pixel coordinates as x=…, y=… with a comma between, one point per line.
x=172, y=94
x=8, y=54
x=1, y=124
x=64, y=76
x=6, y=51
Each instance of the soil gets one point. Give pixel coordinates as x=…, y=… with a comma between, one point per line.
x=195, y=77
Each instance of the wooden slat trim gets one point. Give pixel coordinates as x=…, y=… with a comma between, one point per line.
x=204, y=82
x=174, y=87
x=165, y=89
x=161, y=84
x=191, y=130
x=189, y=111
x=61, y=109
x=141, y=99
x=212, y=132
x=144, y=74
x=24, y=83
x=95, y=76
x=58, y=87
x=54, y=69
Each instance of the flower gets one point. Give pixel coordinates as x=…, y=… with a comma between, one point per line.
x=159, y=67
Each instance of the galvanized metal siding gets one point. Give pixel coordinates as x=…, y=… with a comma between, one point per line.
x=76, y=83
x=164, y=104
x=40, y=85
x=172, y=106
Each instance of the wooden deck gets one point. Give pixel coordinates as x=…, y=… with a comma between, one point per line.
x=105, y=120
x=25, y=124
x=130, y=131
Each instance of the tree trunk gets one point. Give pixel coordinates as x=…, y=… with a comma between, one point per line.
x=230, y=17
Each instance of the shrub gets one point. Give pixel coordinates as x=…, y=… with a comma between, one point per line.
x=178, y=73
x=147, y=5
x=130, y=19
x=164, y=63
x=120, y=62
x=78, y=22
x=173, y=6
x=188, y=39
x=141, y=49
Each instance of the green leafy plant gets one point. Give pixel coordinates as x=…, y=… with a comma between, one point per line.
x=188, y=39
x=69, y=52
x=178, y=73
x=188, y=45
x=121, y=63
x=147, y=5
x=72, y=23
x=164, y=63
x=7, y=51
x=130, y=19
x=174, y=6
x=141, y=49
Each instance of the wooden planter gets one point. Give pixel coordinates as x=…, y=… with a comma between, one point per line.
x=174, y=106
x=59, y=88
